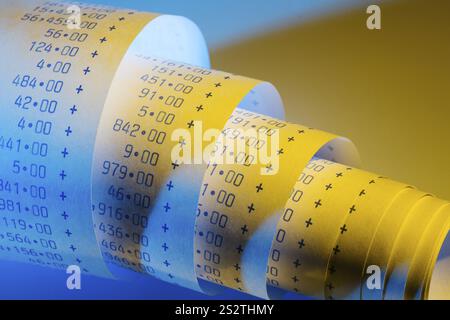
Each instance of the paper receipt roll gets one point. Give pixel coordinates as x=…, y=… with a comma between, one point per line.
x=195, y=179
x=55, y=80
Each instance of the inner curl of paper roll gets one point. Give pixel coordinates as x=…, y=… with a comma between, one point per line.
x=172, y=37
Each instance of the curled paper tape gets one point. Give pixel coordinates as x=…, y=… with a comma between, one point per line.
x=420, y=271
x=168, y=98
x=314, y=217
x=120, y=159
x=250, y=199
x=57, y=64
x=387, y=231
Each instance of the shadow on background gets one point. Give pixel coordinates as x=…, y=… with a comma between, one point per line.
x=387, y=90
